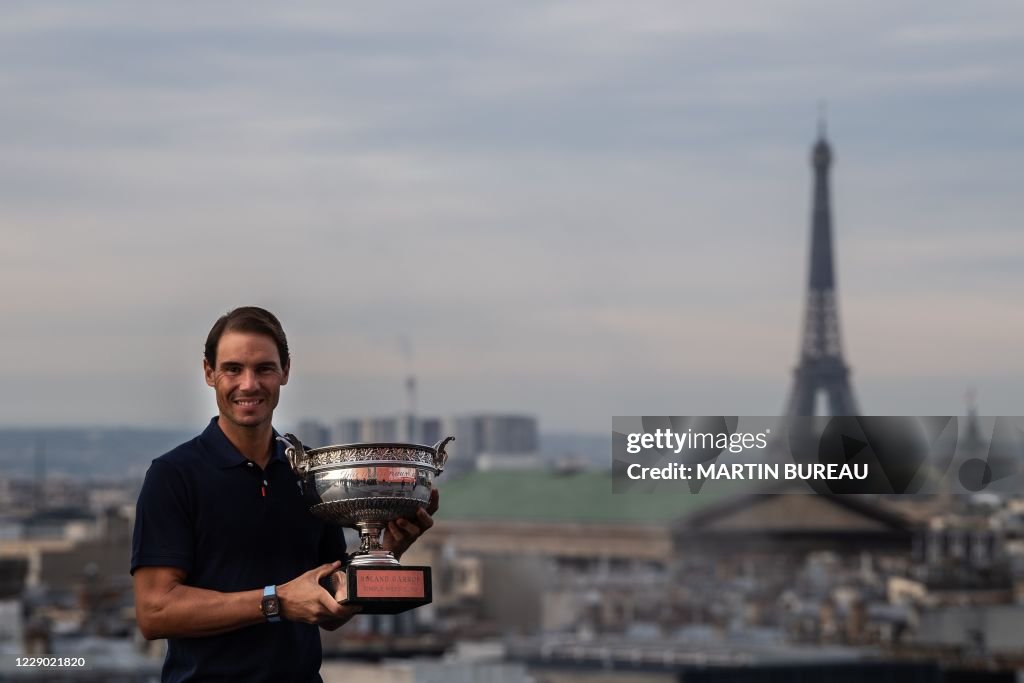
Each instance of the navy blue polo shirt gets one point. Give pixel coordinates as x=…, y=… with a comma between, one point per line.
x=204, y=508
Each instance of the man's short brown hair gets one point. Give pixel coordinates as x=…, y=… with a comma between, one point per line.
x=252, y=319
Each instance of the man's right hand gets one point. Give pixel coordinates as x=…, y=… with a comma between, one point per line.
x=304, y=599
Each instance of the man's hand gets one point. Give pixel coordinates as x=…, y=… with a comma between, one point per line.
x=401, y=533
x=304, y=599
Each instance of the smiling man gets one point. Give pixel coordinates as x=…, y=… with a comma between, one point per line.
x=226, y=557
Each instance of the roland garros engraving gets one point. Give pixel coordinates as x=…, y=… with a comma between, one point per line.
x=391, y=584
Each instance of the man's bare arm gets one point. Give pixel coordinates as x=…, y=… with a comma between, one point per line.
x=167, y=608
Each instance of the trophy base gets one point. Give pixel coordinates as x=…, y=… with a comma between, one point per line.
x=382, y=589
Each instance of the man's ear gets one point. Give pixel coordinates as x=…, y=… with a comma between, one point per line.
x=208, y=372
x=284, y=374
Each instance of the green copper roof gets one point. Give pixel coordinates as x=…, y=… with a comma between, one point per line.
x=562, y=497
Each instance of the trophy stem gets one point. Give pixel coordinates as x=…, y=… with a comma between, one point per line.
x=369, y=536
x=371, y=552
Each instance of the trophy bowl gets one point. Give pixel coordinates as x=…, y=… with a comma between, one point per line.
x=367, y=485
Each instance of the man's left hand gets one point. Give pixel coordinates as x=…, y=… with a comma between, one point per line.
x=401, y=533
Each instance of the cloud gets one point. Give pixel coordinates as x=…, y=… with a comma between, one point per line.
x=575, y=194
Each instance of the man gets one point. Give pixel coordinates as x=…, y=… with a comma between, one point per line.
x=226, y=557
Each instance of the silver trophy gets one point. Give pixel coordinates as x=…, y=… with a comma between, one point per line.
x=365, y=486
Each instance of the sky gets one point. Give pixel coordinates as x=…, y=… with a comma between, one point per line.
x=572, y=209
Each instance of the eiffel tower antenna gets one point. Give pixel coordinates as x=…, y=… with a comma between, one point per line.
x=821, y=369
x=411, y=431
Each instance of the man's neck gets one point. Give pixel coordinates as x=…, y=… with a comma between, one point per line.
x=254, y=443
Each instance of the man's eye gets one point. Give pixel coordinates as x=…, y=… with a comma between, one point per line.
x=229, y=370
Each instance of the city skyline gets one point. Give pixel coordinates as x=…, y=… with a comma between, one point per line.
x=573, y=210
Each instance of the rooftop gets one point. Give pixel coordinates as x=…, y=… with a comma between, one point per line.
x=552, y=496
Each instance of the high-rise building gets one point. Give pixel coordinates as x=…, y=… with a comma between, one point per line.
x=389, y=428
x=382, y=429
x=499, y=439
x=430, y=430
x=313, y=434
x=492, y=441
x=347, y=430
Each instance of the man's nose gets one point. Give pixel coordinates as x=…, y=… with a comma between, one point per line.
x=248, y=380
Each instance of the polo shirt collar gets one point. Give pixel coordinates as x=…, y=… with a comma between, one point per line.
x=224, y=453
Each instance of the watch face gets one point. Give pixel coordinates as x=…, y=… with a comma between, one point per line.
x=270, y=606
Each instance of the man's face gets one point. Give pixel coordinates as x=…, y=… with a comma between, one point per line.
x=247, y=378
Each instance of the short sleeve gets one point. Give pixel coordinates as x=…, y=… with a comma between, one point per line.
x=332, y=543
x=163, y=535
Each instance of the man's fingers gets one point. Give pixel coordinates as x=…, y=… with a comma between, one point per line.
x=397, y=532
x=333, y=624
x=331, y=604
x=336, y=610
x=402, y=532
x=433, y=504
x=425, y=520
x=326, y=569
x=332, y=609
x=351, y=610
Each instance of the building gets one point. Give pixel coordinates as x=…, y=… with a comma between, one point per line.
x=549, y=551
x=495, y=441
x=313, y=434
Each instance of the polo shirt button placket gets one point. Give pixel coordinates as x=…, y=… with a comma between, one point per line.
x=264, y=483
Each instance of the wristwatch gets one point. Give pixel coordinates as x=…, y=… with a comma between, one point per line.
x=271, y=606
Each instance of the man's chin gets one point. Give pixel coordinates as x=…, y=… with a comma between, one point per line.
x=248, y=421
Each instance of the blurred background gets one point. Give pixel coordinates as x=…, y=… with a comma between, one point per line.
x=509, y=223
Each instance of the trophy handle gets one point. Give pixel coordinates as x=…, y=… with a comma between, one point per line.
x=295, y=453
x=440, y=456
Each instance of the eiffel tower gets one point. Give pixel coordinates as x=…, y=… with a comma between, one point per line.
x=821, y=369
